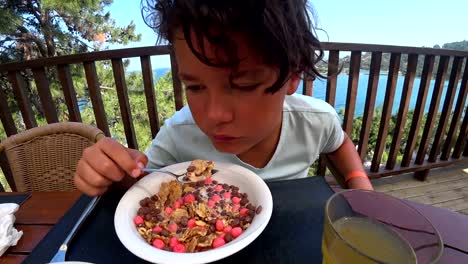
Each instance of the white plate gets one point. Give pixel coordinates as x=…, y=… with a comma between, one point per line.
x=247, y=181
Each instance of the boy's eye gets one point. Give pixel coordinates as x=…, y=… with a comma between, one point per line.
x=245, y=88
x=193, y=88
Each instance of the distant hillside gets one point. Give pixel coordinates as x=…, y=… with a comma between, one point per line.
x=459, y=45
x=366, y=59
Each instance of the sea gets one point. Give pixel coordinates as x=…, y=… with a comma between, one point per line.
x=319, y=90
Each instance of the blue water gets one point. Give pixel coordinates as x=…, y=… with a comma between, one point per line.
x=319, y=90
x=160, y=72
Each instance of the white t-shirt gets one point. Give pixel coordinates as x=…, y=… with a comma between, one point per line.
x=310, y=126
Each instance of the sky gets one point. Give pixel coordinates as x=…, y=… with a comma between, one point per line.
x=414, y=23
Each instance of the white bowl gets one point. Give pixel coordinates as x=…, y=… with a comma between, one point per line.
x=247, y=181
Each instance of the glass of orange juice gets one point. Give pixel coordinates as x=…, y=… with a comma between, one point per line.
x=371, y=227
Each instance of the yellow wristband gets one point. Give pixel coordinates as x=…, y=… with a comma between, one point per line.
x=355, y=174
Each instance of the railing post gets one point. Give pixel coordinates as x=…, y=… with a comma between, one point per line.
x=370, y=103
x=6, y=117
x=96, y=98
x=353, y=81
x=69, y=92
x=176, y=84
x=44, y=95
x=403, y=110
x=19, y=90
x=386, y=111
x=151, y=102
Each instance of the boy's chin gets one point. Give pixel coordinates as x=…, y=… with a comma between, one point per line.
x=228, y=148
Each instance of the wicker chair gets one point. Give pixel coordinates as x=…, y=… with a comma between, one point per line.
x=45, y=158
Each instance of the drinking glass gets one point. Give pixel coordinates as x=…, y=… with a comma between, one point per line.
x=371, y=227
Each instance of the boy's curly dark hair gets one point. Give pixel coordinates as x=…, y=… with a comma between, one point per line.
x=280, y=31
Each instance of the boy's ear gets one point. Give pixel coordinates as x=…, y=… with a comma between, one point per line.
x=293, y=83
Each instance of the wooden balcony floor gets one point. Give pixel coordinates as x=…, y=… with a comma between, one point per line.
x=445, y=187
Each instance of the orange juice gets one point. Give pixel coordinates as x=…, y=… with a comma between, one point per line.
x=371, y=238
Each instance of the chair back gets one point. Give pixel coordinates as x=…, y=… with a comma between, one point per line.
x=44, y=158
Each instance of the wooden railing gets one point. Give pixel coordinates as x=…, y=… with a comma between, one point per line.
x=448, y=144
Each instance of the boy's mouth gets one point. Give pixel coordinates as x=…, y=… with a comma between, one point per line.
x=223, y=138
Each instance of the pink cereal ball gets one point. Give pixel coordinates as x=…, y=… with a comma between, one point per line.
x=236, y=200
x=236, y=231
x=173, y=241
x=217, y=242
x=189, y=198
x=179, y=248
x=208, y=180
x=216, y=198
x=219, y=225
x=227, y=229
x=227, y=195
x=173, y=227
x=168, y=210
x=138, y=220
x=243, y=211
x=211, y=203
x=157, y=229
x=218, y=188
x=191, y=223
x=158, y=243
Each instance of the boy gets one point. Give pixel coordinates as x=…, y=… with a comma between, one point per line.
x=240, y=62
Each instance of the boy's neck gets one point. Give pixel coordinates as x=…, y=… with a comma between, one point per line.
x=259, y=155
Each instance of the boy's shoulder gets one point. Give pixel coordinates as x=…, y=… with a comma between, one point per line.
x=306, y=104
x=183, y=117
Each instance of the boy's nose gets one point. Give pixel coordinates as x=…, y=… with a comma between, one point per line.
x=219, y=109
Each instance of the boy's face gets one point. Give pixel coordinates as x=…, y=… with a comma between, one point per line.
x=238, y=116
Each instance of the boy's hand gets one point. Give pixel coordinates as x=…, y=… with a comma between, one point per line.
x=106, y=162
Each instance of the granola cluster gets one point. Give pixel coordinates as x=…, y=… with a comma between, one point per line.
x=199, y=170
x=194, y=216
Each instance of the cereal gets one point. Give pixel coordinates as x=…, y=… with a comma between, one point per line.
x=199, y=170
x=194, y=216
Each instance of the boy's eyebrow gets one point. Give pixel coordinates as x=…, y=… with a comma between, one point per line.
x=187, y=77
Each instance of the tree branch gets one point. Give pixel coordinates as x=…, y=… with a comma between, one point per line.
x=35, y=11
x=26, y=33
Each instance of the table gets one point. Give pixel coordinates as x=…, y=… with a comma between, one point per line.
x=36, y=217
x=292, y=236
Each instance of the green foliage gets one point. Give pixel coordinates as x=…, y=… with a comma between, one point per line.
x=458, y=45
x=34, y=29
x=164, y=98
x=374, y=131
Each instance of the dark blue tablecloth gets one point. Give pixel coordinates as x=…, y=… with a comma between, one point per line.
x=14, y=198
x=293, y=235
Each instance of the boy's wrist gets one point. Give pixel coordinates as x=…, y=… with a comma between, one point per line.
x=359, y=183
x=355, y=174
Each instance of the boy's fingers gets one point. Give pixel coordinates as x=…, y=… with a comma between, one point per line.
x=101, y=164
x=92, y=177
x=121, y=156
x=86, y=188
x=139, y=157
